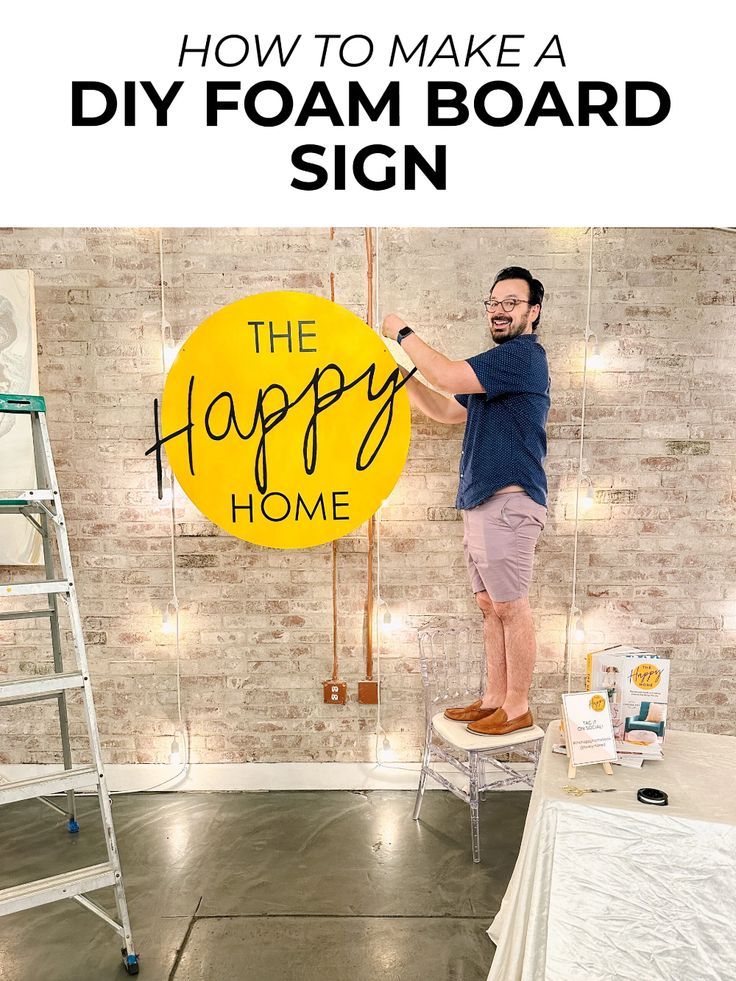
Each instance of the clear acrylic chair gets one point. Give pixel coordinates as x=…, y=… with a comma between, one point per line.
x=452, y=662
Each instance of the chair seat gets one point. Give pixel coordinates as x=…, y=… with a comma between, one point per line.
x=457, y=734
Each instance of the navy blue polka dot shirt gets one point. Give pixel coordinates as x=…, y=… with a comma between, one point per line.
x=505, y=440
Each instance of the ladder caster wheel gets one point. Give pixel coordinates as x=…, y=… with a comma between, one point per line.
x=130, y=961
x=72, y=826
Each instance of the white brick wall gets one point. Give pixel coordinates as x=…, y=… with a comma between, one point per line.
x=656, y=564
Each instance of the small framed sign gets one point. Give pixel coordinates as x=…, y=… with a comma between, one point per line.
x=589, y=729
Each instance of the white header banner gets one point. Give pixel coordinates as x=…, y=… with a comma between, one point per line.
x=531, y=113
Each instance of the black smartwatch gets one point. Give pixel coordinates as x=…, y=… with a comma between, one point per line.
x=403, y=334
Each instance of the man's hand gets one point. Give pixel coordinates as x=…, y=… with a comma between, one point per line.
x=392, y=324
x=447, y=375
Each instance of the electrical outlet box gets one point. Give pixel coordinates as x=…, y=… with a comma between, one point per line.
x=368, y=692
x=335, y=692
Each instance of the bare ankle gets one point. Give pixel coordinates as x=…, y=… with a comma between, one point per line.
x=515, y=709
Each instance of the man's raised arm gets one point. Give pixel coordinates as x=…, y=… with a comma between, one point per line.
x=450, y=376
x=433, y=404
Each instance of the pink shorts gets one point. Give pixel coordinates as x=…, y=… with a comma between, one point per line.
x=499, y=541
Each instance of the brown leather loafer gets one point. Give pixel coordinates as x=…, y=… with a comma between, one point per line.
x=470, y=713
x=499, y=725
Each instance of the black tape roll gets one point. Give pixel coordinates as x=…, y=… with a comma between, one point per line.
x=650, y=795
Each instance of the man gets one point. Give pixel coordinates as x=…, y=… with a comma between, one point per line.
x=503, y=400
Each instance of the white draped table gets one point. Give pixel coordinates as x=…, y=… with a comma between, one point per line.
x=608, y=889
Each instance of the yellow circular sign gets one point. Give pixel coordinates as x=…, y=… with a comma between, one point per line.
x=646, y=676
x=285, y=420
x=597, y=703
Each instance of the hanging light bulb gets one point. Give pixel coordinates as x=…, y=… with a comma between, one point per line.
x=387, y=754
x=387, y=619
x=167, y=343
x=175, y=754
x=595, y=360
x=589, y=499
x=171, y=351
x=167, y=489
x=168, y=624
x=579, y=631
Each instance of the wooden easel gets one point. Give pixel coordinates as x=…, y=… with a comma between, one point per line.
x=571, y=770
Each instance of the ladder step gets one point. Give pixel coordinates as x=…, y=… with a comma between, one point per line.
x=40, y=686
x=22, y=403
x=34, y=588
x=55, y=887
x=25, y=614
x=52, y=783
x=15, y=498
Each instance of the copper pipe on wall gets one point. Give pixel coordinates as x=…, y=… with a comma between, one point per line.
x=335, y=665
x=369, y=249
x=369, y=602
x=335, y=661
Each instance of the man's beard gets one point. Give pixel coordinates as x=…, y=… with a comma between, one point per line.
x=509, y=335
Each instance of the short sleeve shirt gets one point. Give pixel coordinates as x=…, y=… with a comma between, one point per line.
x=505, y=439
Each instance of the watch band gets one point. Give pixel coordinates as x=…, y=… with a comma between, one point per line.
x=403, y=334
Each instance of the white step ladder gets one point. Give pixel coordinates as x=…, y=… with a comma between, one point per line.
x=42, y=507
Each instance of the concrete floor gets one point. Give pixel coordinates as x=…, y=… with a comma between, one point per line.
x=335, y=886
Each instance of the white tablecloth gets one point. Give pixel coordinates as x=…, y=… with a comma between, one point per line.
x=608, y=889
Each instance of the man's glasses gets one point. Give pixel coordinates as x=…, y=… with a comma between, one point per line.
x=506, y=305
